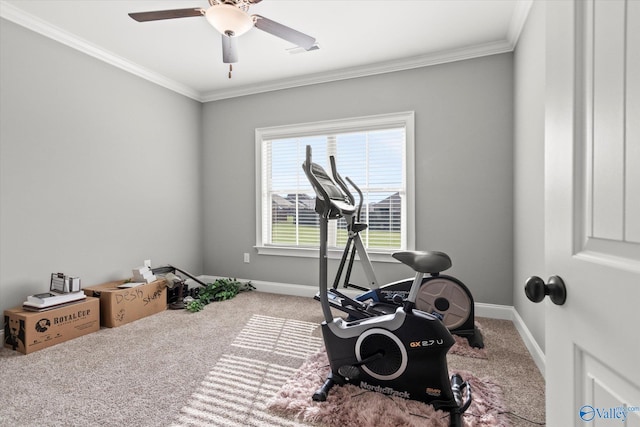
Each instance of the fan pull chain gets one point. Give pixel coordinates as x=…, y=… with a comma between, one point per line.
x=230, y=69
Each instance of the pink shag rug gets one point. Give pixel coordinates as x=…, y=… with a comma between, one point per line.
x=462, y=347
x=351, y=406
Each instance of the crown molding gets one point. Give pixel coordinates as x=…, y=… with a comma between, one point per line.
x=518, y=20
x=366, y=70
x=20, y=17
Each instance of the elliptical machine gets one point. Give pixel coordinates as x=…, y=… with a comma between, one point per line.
x=402, y=353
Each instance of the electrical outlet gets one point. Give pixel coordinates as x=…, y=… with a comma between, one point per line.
x=247, y=259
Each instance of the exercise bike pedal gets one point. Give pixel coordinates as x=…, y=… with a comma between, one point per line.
x=349, y=372
x=458, y=387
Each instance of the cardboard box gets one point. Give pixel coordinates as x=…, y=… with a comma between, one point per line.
x=122, y=306
x=29, y=331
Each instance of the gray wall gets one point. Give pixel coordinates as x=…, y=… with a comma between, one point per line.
x=99, y=169
x=464, y=169
x=529, y=260
x=135, y=147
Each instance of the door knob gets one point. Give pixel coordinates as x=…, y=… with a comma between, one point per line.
x=536, y=289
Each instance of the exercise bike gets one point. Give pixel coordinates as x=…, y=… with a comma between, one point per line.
x=402, y=353
x=443, y=296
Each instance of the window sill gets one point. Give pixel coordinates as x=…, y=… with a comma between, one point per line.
x=374, y=256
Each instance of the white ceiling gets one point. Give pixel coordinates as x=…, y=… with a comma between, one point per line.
x=356, y=38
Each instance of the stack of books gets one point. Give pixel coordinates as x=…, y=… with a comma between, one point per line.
x=51, y=300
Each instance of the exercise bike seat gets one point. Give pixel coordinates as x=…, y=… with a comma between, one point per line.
x=431, y=262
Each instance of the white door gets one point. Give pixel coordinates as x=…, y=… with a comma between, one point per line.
x=592, y=212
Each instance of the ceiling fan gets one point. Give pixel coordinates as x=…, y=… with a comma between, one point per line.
x=231, y=19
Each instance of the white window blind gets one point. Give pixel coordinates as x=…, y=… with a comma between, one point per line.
x=370, y=151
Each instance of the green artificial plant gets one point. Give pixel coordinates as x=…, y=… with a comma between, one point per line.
x=219, y=290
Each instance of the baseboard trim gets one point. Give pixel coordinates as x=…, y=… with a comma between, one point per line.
x=492, y=311
x=507, y=312
x=534, y=349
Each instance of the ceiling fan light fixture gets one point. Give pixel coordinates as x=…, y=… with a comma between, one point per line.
x=227, y=18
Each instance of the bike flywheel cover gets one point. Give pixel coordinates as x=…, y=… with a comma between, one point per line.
x=394, y=361
x=447, y=299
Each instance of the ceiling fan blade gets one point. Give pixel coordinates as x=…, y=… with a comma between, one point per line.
x=289, y=34
x=167, y=14
x=229, y=49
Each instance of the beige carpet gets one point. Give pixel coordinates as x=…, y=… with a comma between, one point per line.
x=462, y=347
x=217, y=367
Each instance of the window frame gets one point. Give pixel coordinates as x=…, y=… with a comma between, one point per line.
x=402, y=119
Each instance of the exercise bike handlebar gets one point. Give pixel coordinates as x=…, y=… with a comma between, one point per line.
x=331, y=203
x=360, y=197
x=338, y=179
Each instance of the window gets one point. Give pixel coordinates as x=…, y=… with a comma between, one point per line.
x=371, y=151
